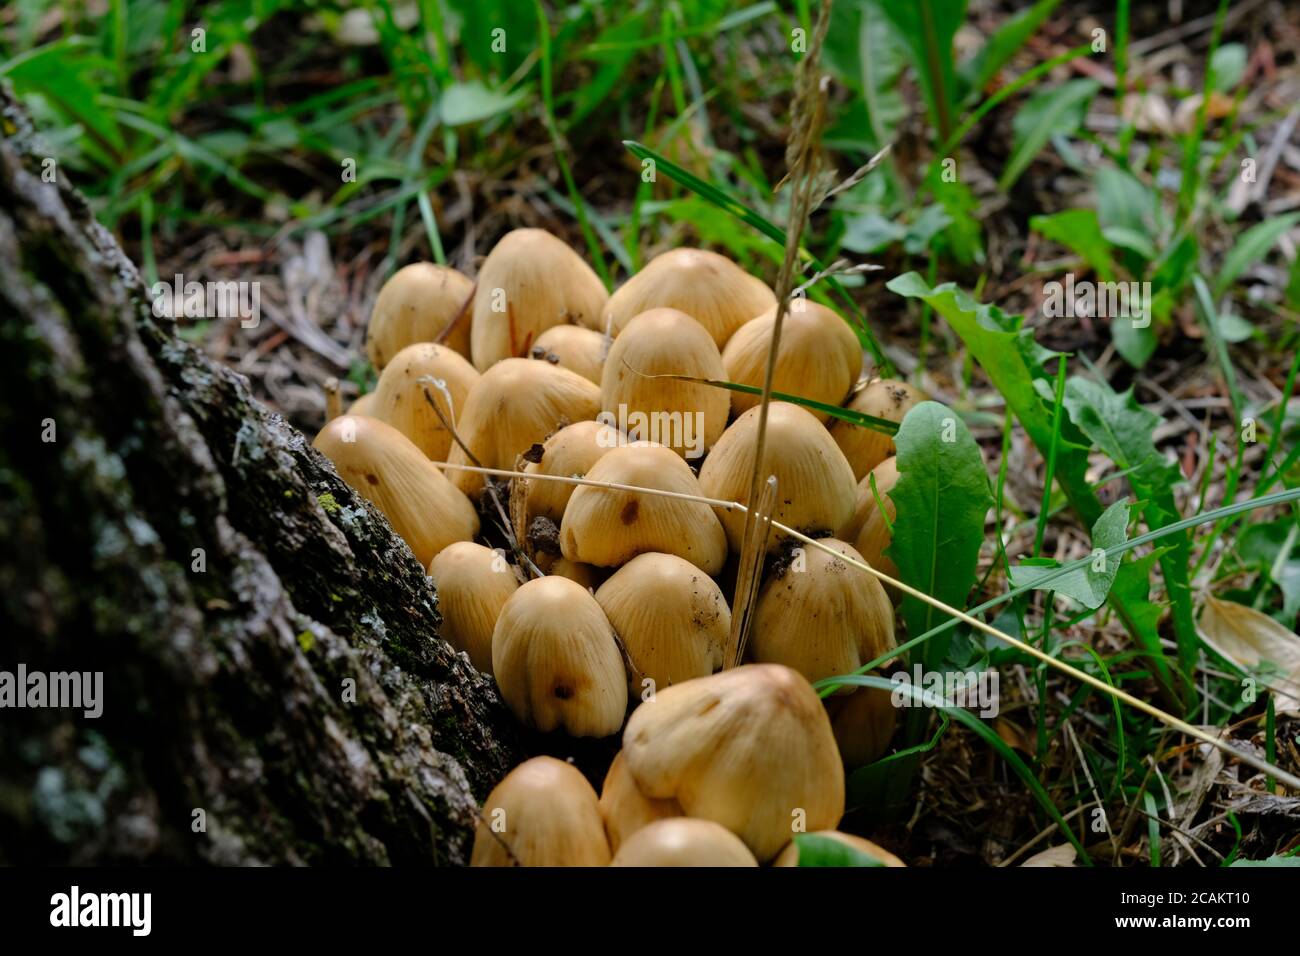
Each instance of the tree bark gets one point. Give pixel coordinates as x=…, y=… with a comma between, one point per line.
x=183, y=539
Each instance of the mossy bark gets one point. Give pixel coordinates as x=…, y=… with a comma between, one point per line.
x=183, y=539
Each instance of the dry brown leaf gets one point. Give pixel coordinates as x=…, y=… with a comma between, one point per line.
x=1248, y=639
x=1185, y=115
x=1062, y=855
x=1148, y=112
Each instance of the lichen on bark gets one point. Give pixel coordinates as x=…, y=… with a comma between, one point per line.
x=214, y=700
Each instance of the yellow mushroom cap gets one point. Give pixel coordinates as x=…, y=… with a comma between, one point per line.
x=384, y=467
x=874, y=533
x=574, y=347
x=473, y=584
x=529, y=282
x=556, y=660
x=546, y=814
x=399, y=396
x=822, y=616
x=569, y=453
x=819, y=357
x=671, y=617
x=790, y=855
x=583, y=574
x=815, y=486
x=710, y=288
x=865, y=448
x=864, y=723
x=750, y=748
x=364, y=405
x=885, y=476
x=685, y=416
x=514, y=404
x=625, y=808
x=683, y=841
x=417, y=304
x=609, y=528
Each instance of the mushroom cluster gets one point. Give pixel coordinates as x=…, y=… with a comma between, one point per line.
x=565, y=467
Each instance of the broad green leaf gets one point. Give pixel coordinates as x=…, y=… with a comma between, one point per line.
x=1125, y=204
x=1014, y=363
x=1251, y=246
x=927, y=28
x=980, y=69
x=472, y=102
x=1053, y=111
x=1135, y=344
x=1079, y=231
x=871, y=232
x=818, y=850
x=1229, y=66
x=942, y=497
x=1130, y=239
x=862, y=52
x=1090, y=584
x=962, y=236
x=1122, y=429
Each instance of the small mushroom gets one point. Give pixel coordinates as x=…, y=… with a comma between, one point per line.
x=583, y=574
x=822, y=616
x=815, y=486
x=573, y=347
x=400, y=395
x=876, y=533
x=865, y=448
x=750, y=748
x=418, y=304
x=384, y=467
x=625, y=808
x=529, y=282
x=514, y=405
x=864, y=723
x=672, y=618
x=708, y=287
x=884, y=475
x=790, y=855
x=363, y=405
x=687, y=417
x=557, y=662
x=819, y=357
x=473, y=584
x=682, y=841
x=569, y=453
x=609, y=527
x=544, y=813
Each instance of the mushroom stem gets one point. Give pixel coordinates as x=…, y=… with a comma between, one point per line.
x=333, y=399
x=1291, y=781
